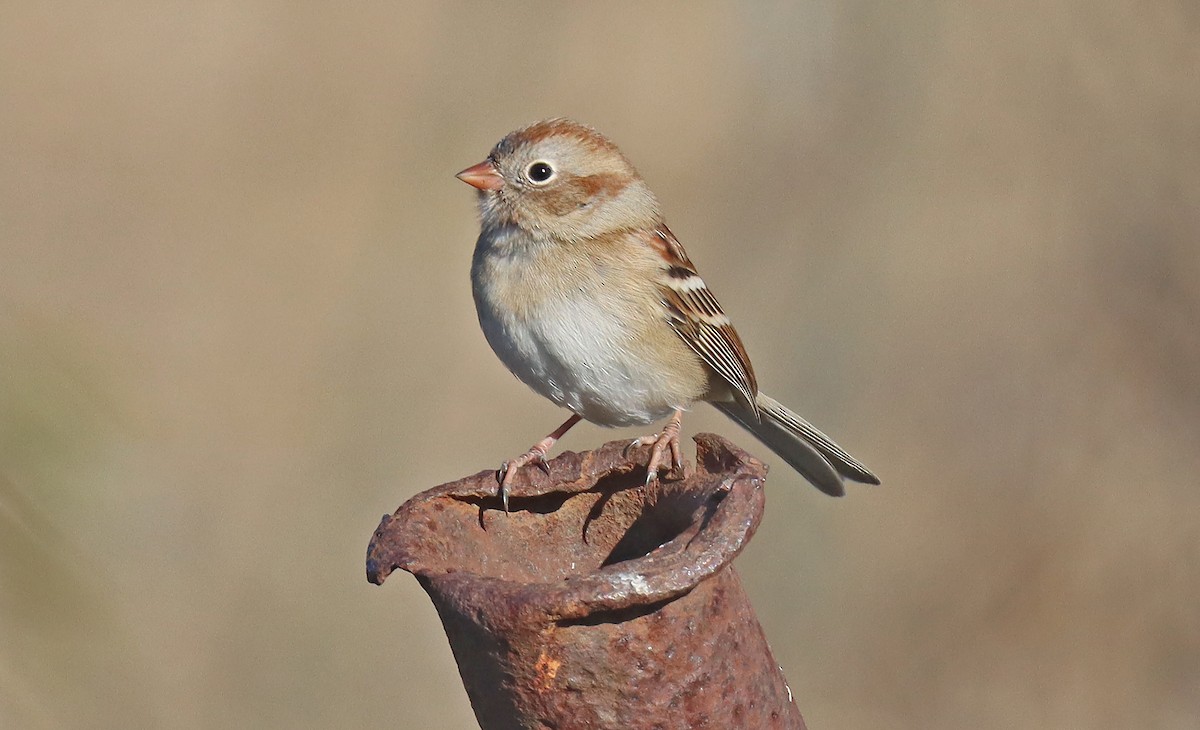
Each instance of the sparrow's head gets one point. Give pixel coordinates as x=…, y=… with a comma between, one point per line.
x=561, y=179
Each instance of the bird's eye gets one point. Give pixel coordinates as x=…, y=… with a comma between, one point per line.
x=539, y=172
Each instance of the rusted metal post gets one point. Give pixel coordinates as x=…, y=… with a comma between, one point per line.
x=599, y=602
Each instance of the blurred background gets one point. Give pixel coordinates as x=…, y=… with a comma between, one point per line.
x=236, y=328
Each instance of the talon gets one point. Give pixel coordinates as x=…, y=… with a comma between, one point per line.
x=665, y=441
x=636, y=443
x=508, y=470
x=535, y=455
x=676, y=456
x=503, y=474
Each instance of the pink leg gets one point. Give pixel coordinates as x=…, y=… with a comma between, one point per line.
x=535, y=455
x=666, y=439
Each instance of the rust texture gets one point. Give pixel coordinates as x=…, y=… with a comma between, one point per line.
x=599, y=602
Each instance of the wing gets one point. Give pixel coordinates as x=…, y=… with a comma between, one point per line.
x=697, y=318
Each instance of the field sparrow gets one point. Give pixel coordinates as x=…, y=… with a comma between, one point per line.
x=587, y=297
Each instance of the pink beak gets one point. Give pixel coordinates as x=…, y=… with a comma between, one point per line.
x=483, y=176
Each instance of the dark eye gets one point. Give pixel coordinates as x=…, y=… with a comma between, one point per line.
x=539, y=172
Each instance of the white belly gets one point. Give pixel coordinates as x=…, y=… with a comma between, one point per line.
x=574, y=358
x=570, y=344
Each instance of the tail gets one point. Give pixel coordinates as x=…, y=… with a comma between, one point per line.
x=800, y=444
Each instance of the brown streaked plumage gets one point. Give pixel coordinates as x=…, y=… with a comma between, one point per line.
x=698, y=319
x=587, y=297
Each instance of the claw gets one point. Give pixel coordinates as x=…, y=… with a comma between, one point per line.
x=676, y=456
x=667, y=439
x=535, y=455
x=502, y=476
x=508, y=470
x=651, y=468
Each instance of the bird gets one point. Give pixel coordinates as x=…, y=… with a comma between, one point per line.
x=586, y=295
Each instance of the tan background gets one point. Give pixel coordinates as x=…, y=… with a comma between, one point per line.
x=236, y=328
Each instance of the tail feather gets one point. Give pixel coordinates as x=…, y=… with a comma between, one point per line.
x=800, y=444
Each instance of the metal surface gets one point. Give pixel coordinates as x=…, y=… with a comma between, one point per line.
x=599, y=602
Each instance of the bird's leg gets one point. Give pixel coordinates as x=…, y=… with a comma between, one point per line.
x=535, y=455
x=668, y=438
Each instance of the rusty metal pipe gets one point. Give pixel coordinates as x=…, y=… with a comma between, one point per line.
x=599, y=602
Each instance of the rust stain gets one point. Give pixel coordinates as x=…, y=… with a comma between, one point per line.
x=547, y=670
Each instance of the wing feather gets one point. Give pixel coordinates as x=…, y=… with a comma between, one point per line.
x=698, y=319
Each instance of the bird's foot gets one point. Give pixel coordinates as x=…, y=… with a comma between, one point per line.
x=536, y=456
x=664, y=442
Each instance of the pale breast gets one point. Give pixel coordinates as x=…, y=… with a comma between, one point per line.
x=584, y=333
